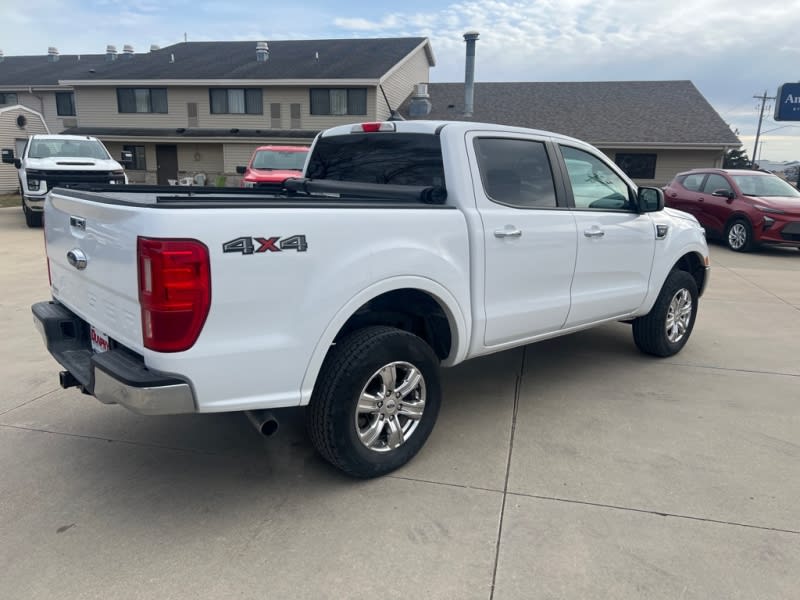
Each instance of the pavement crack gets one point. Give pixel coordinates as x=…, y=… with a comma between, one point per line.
x=462, y=486
x=733, y=369
x=106, y=439
x=655, y=512
x=53, y=391
x=766, y=291
x=514, y=413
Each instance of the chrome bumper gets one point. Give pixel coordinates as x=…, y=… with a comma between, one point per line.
x=117, y=376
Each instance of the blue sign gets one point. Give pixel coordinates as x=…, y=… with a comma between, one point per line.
x=787, y=102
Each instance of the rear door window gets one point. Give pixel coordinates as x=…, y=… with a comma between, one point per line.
x=516, y=172
x=693, y=182
x=391, y=157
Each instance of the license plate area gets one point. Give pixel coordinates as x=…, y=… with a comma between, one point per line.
x=100, y=341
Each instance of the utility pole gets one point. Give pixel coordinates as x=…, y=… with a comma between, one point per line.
x=763, y=99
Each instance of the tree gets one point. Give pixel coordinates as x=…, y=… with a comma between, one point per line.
x=736, y=159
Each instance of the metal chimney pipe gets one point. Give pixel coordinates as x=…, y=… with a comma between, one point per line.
x=469, y=73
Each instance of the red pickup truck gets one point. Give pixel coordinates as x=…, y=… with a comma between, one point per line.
x=271, y=165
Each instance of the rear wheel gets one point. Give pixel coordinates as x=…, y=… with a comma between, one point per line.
x=739, y=235
x=375, y=402
x=665, y=330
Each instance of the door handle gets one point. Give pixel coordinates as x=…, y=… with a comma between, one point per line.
x=594, y=233
x=507, y=233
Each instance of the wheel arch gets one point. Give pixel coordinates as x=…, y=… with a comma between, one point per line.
x=414, y=304
x=693, y=263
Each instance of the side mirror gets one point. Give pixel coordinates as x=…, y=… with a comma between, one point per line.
x=724, y=194
x=650, y=199
x=241, y=170
x=126, y=159
x=8, y=156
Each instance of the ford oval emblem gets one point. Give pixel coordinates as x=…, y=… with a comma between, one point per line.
x=77, y=259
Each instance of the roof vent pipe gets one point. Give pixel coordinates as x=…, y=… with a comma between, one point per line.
x=127, y=51
x=52, y=54
x=154, y=47
x=420, y=105
x=469, y=73
x=262, y=51
x=111, y=53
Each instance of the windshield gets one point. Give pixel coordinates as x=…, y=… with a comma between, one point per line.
x=279, y=160
x=764, y=185
x=397, y=158
x=59, y=148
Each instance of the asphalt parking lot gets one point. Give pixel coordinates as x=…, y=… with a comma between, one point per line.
x=575, y=468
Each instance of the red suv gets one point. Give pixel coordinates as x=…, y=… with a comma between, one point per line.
x=745, y=208
x=271, y=165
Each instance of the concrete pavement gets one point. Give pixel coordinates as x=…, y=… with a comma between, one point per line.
x=574, y=468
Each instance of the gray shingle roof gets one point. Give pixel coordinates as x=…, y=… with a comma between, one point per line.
x=288, y=59
x=602, y=112
x=27, y=71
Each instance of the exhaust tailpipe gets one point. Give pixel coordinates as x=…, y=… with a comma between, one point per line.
x=264, y=421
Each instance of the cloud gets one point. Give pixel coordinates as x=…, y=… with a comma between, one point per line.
x=730, y=49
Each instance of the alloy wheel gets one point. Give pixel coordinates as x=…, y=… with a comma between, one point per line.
x=390, y=406
x=679, y=314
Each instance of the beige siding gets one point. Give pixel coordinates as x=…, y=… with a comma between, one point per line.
x=44, y=102
x=200, y=158
x=399, y=85
x=9, y=133
x=97, y=107
x=671, y=162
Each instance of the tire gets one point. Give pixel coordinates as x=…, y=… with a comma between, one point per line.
x=353, y=422
x=652, y=332
x=739, y=235
x=32, y=219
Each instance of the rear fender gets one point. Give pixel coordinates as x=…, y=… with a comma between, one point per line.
x=459, y=325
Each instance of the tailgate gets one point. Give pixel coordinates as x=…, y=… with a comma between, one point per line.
x=104, y=291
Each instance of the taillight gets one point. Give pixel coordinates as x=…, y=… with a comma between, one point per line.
x=373, y=127
x=174, y=292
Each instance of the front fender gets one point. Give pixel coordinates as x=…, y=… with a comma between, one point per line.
x=684, y=236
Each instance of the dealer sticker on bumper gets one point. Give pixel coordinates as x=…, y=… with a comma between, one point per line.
x=99, y=340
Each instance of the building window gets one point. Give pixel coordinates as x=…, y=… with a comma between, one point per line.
x=142, y=100
x=65, y=104
x=236, y=101
x=8, y=98
x=339, y=101
x=138, y=163
x=637, y=166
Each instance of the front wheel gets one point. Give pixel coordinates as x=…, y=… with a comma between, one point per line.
x=665, y=330
x=739, y=235
x=375, y=401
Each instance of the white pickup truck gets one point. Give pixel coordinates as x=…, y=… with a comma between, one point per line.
x=50, y=161
x=409, y=246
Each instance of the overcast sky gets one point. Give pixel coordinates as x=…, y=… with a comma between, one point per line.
x=731, y=49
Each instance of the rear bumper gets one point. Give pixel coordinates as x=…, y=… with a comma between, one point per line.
x=117, y=376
